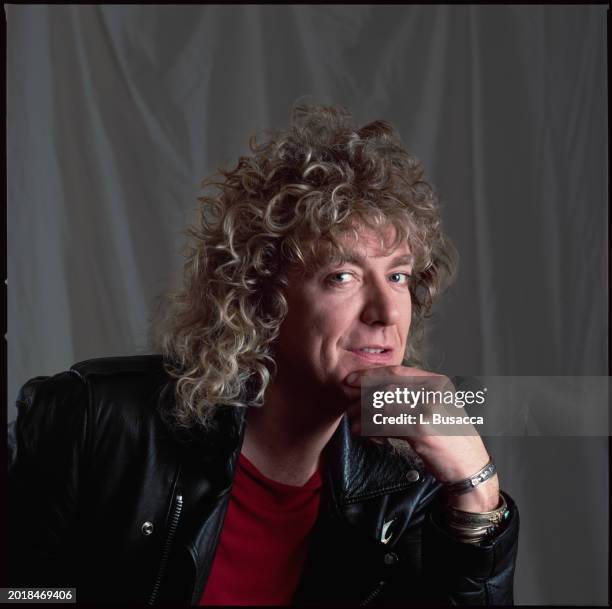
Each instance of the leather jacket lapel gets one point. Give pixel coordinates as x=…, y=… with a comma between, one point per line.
x=360, y=469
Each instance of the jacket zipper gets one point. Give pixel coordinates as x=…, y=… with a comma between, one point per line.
x=174, y=520
x=370, y=597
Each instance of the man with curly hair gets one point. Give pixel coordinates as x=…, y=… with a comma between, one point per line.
x=231, y=470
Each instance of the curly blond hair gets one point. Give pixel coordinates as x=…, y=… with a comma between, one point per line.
x=300, y=189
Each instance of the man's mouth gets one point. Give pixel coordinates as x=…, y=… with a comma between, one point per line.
x=373, y=353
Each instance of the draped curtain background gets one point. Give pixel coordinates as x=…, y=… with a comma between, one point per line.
x=115, y=114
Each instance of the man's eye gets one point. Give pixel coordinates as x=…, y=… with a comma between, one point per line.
x=399, y=277
x=342, y=277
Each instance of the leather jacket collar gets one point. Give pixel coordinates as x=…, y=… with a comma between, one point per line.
x=355, y=468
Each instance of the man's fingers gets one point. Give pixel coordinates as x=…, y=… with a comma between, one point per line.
x=354, y=379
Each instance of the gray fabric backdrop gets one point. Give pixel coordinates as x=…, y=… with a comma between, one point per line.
x=115, y=113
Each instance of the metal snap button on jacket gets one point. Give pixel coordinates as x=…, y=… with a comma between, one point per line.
x=147, y=528
x=412, y=475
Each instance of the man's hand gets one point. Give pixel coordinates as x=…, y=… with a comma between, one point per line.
x=449, y=458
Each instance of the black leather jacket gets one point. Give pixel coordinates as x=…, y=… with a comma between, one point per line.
x=107, y=498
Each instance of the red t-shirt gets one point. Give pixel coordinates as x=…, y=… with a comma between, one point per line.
x=264, y=540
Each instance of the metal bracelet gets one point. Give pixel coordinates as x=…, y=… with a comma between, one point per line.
x=467, y=485
x=474, y=527
x=472, y=540
x=472, y=535
x=468, y=535
x=476, y=519
x=477, y=526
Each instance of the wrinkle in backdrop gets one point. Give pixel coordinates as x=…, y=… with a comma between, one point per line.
x=115, y=114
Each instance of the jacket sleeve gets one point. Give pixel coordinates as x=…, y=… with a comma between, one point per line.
x=471, y=574
x=46, y=455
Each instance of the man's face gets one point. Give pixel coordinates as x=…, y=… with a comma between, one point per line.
x=347, y=316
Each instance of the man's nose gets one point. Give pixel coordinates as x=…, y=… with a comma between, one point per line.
x=380, y=306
